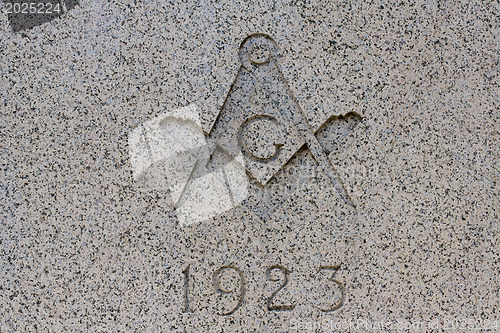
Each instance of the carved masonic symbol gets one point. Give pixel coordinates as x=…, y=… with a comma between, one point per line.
x=258, y=131
x=262, y=119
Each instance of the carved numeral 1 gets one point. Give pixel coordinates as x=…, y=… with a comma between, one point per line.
x=186, y=309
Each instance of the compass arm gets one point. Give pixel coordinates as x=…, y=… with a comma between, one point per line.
x=324, y=162
x=273, y=81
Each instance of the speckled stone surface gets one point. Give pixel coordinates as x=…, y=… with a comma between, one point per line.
x=402, y=96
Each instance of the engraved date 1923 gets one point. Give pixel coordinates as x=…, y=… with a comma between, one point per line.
x=271, y=275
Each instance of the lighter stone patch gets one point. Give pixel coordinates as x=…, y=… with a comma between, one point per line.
x=170, y=152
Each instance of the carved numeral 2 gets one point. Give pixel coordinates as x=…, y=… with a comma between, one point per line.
x=285, y=272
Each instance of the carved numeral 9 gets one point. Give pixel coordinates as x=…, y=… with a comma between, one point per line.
x=241, y=292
